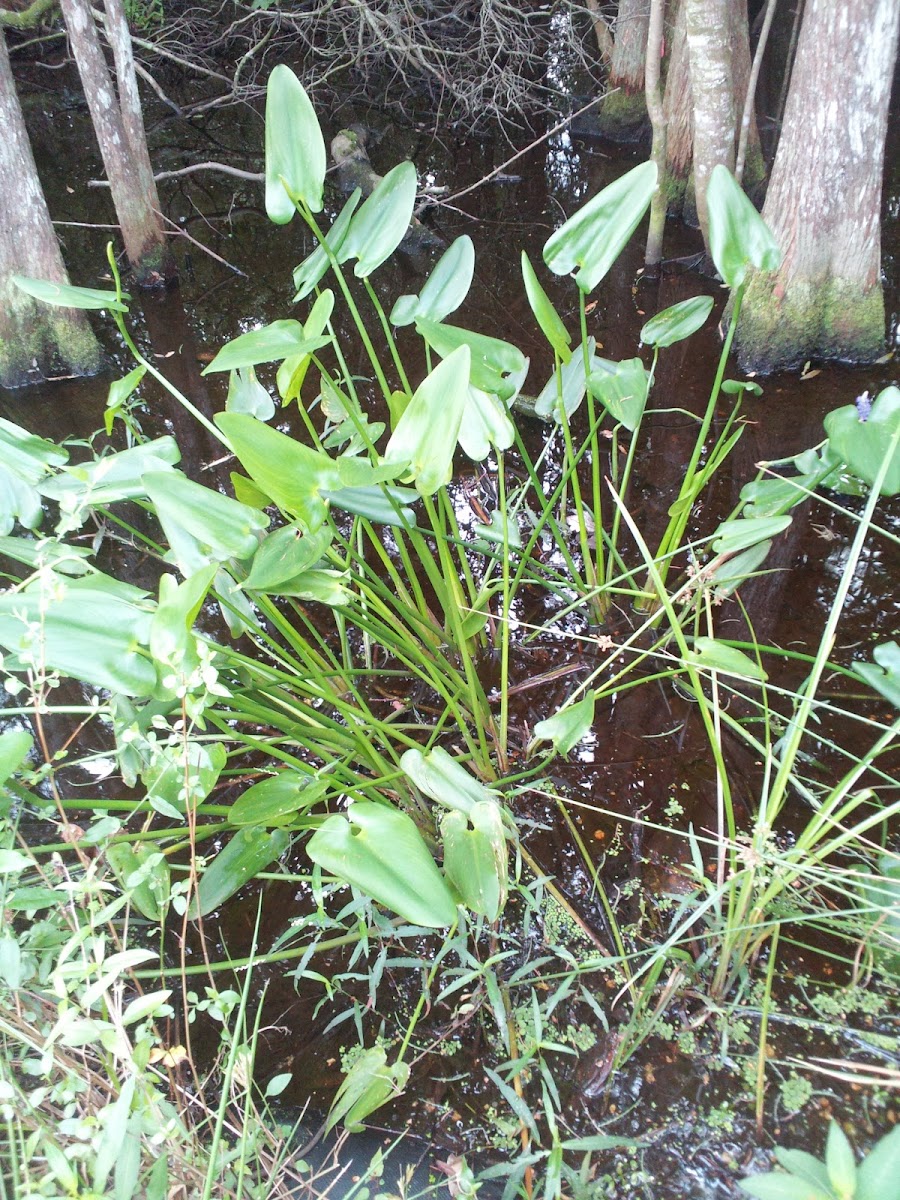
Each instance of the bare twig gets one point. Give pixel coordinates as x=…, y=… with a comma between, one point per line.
x=543, y=138
x=747, y=115
x=176, y=231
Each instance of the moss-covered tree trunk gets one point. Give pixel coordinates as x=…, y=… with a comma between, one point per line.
x=824, y=199
x=623, y=112
x=119, y=127
x=36, y=341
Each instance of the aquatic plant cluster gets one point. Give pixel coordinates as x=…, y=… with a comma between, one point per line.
x=343, y=705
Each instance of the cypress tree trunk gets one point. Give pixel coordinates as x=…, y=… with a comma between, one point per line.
x=678, y=110
x=722, y=46
x=712, y=88
x=658, y=205
x=623, y=113
x=119, y=127
x=824, y=199
x=36, y=340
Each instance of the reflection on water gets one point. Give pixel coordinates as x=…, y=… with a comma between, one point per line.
x=564, y=169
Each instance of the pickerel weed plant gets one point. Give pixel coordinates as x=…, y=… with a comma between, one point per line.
x=341, y=570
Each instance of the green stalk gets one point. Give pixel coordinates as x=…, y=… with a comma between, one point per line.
x=622, y=488
x=389, y=336
x=671, y=540
x=351, y=304
x=119, y=319
x=506, y=605
x=598, y=570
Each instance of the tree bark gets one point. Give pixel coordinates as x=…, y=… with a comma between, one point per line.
x=602, y=33
x=119, y=127
x=732, y=39
x=37, y=341
x=824, y=198
x=658, y=205
x=708, y=27
x=678, y=110
x=623, y=112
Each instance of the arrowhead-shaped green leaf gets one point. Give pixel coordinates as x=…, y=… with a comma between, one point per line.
x=380, y=851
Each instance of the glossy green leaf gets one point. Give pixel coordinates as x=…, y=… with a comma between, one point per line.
x=322, y=586
x=840, y=1162
x=172, y=641
x=284, y=554
x=25, y=460
x=743, y=532
x=82, y=487
x=884, y=674
x=486, y=423
x=677, y=322
x=476, y=857
x=202, y=525
x=709, y=654
x=503, y=530
x=772, y=497
x=442, y=778
x=493, y=360
x=247, y=395
x=15, y=746
x=569, y=725
x=314, y=266
x=778, y=1185
x=92, y=628
x=738, y=236
x=568, y=382
x=733, y=387
x=292, y=474
x=445, y=289
x=64, y=557
x=292, y=371
x=729, y=575
x=805, y=1166
x=274, y=342
x=249, y=851
x=247, y=492
x=375, y=504
x=621, y=387
x=142, y=872
x=425, y=438
x=548, y=319
x=594, y=237
x=380, y=851
x=878, y=1175
x=369, y=1083
x=276, y=800
x=64, y=295
x=863, y=442
x=295, y=149
x=120, y=391
x=381, y=223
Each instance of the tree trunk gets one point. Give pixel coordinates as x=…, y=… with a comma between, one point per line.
x=824, y=198
x=37, y=341
x=708, y=28
x=623, y=112
x=653, y=253
x=732, y=45
x=678, y=109
x=120, y=133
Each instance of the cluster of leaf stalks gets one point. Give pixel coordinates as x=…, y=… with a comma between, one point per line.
x=344, y=734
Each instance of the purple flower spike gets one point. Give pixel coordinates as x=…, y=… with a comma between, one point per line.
x=863, y=406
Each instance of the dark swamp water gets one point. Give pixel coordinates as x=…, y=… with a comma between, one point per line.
x=685, y=1095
